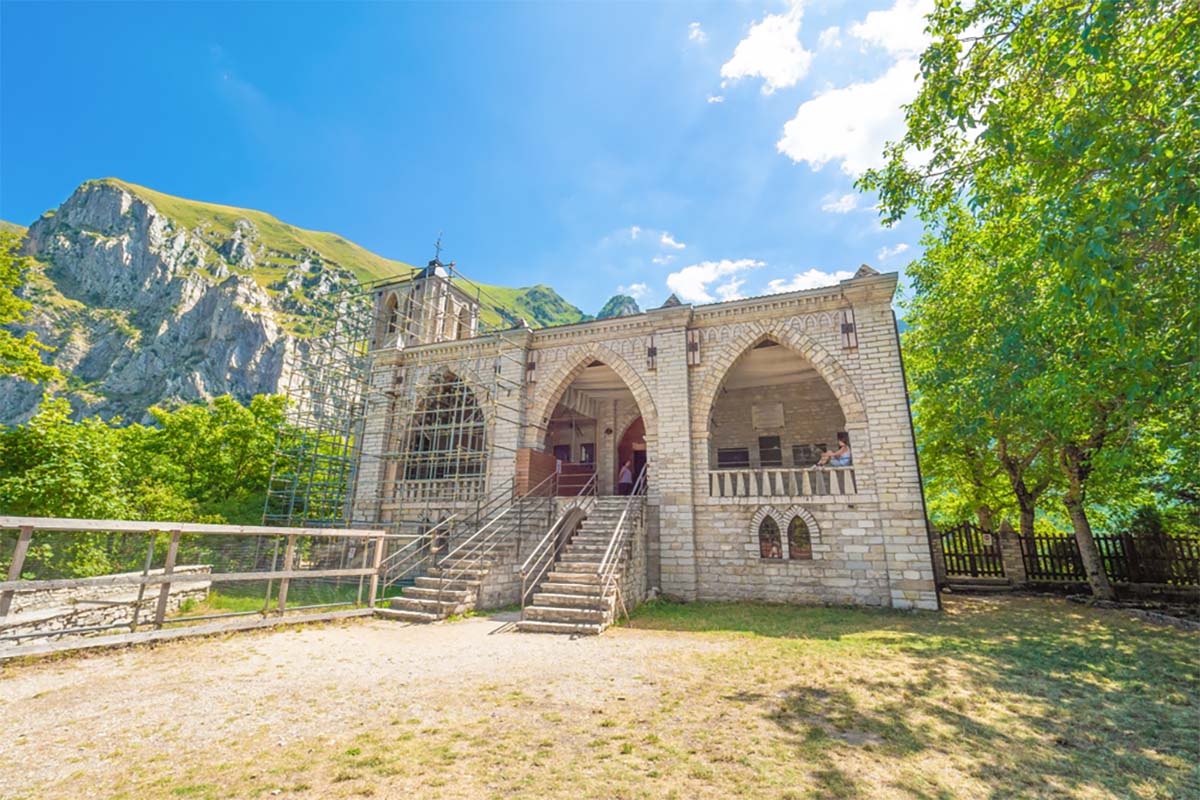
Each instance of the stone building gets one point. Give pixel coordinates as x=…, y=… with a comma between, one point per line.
x=727, y=407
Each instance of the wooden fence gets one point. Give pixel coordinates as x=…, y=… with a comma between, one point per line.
x=249, y=561
x=971, y=552
x=1166, y=560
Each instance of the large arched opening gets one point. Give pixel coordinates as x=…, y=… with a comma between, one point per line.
x=595, y=430
x=772, y=418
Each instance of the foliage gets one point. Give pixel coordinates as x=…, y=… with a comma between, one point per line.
x=19, y=355
x=1056, y=296
x=199, y=463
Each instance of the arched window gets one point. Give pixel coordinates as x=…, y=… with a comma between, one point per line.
x=390, y=315
x=769, y=543
x=799, y=539
x=446, y=433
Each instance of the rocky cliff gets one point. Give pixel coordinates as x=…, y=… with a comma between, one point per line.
x=148, y=298
x=619, y=305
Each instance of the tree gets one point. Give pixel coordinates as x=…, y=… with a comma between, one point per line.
x=1062, y=153
x=19, y=356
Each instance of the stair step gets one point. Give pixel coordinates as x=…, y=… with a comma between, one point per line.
x=579, y=589
x=582, y=567
x=568, y=599
x=564, y=614
x=560, y=576
x=452, y=573
x=537, y=626
x=436, y=593
x=423, y=606
x=406, y=616
x=425, y=582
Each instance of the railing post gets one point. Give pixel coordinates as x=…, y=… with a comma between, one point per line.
x=376, y=561
x=164, y=592
x=141, y=593
x=287, y=566
x=14, y=569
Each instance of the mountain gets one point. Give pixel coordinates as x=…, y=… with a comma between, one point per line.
x=149, y=298
x=619, y=305
x=12, y=227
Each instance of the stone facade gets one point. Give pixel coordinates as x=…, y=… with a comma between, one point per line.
x=869, y=544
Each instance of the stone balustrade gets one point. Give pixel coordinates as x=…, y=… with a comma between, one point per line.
x=782, y=482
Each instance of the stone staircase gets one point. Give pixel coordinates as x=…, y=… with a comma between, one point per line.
x=452, y=587
x=570, y=598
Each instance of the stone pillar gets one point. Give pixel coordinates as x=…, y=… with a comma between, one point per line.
x=369, y=482
x=606, y=445
x=671, y=472
x=507, y=408
x=1010, y=555
x=892, y=460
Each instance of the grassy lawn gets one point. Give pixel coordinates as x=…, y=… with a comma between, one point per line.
x=247, y=597
x=994, y=698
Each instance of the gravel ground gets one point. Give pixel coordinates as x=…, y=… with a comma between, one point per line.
x=201, y=700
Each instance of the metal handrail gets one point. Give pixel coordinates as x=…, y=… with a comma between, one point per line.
x=608, y=565
x=416, y=555
x=552, y=534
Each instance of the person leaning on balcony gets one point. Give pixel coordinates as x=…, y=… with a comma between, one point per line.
x=625, y=479
x=841, y=456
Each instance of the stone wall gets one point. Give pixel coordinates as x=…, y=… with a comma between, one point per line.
x=52, y=611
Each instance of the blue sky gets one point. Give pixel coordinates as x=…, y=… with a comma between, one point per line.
x=705, y=148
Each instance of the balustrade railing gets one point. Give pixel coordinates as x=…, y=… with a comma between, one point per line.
x=782, y=482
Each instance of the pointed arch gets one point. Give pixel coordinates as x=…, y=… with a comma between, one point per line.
x=826, y=365
x=548, y=391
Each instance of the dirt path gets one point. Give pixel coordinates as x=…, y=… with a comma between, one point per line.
x=209, y=700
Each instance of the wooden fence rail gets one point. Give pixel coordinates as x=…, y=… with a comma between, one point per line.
x=310, y=554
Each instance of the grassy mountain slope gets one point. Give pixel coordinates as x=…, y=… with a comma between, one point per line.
x=12, y=227
x=540, y=305
x=220, y=221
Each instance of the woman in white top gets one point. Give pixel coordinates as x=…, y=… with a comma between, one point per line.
x=841, y=456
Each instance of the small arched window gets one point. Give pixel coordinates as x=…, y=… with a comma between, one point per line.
x=390, y=315
x=799, y=539
x=769, y=543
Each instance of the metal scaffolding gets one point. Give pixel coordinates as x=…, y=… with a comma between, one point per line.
x=394, y=404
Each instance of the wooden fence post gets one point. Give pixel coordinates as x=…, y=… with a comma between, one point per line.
x=376, y=561
x=164, y=593
x=141, y=593
x=288, y=555
x=14, y=569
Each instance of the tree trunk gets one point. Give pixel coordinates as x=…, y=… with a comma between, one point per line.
x=1097, y=578
x=984, y=516
x=1076, y=467
x=1026, y=519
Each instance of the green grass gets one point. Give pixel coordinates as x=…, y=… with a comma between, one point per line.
x=1003, y=698
x=276, y=234
x=247, y=597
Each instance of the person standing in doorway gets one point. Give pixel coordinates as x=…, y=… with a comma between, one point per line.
x=625, y=478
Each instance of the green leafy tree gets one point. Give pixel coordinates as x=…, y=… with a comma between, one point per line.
x=1060, y=200
x=19, y=356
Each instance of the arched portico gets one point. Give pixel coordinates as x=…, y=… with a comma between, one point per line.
x=580, y=414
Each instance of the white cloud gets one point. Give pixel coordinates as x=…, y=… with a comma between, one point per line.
x=851, y=124
x=691, y=283
x=830, y=38
x=839, y=205
x=771, y=51
x=696, y=33
x=634, y=231
x=635, y=290
x=886, y=253
x=716, y=98
x=667, y=240
x=662, y=259
x=900, y=30
x=812, y=279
